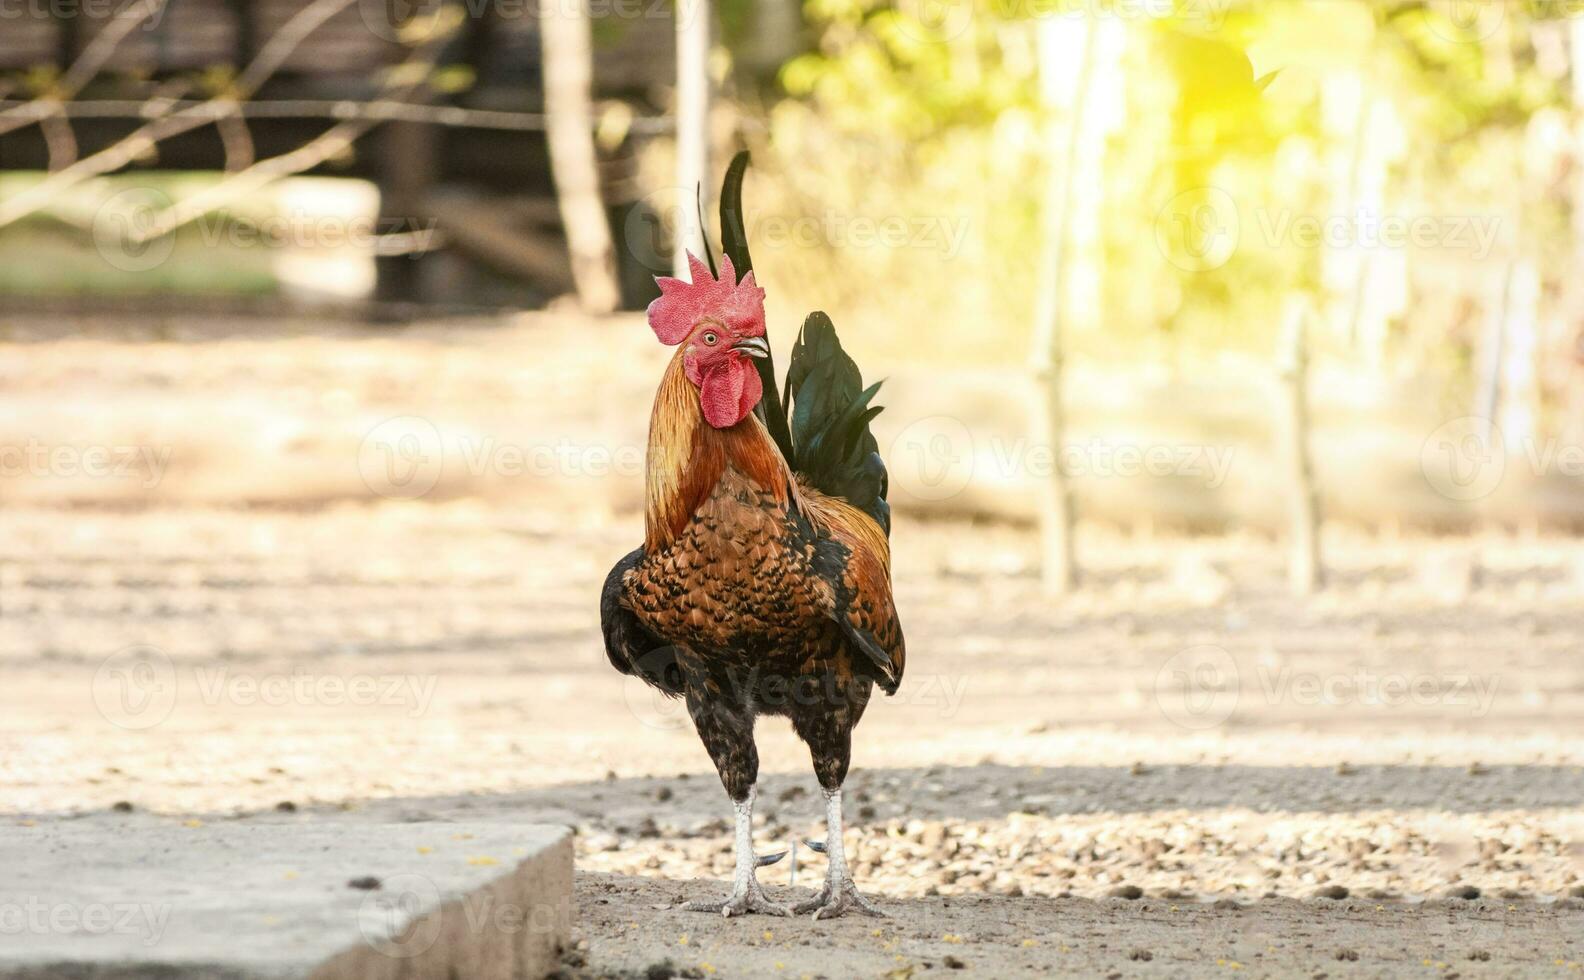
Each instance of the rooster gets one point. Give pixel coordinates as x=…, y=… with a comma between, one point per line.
x=763, y=585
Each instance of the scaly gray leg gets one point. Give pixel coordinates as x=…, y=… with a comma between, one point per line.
x=746, y=895
x=840, y=895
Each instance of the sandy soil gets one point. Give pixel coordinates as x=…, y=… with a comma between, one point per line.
x=1024, y=936
x=1180, y=729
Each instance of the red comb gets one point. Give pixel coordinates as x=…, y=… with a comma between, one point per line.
x=681, y=305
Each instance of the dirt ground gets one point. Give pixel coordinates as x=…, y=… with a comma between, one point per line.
x=995, y=936
x=1178, y=770
x=1042, y=762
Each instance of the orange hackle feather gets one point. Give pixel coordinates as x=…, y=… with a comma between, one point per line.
x=687, y=457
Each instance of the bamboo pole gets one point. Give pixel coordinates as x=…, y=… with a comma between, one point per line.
x=692, y=139
x=568, y=56
x=1306, y=569
x=1488, y=393
x=1059, y=567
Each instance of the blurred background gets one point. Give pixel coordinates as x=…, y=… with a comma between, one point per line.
x=1234, y=360
x=1170, y=200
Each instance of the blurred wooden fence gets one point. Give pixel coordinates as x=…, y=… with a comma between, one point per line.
x=330, y=86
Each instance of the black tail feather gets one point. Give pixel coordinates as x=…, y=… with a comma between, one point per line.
x=734, y=236
x=734, y=243
x=709, y=256
x=825, y=436
x=836, y=451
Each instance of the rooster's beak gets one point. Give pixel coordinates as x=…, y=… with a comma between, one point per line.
x=753, y=347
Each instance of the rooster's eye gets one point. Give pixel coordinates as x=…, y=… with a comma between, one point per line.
x=710, y=338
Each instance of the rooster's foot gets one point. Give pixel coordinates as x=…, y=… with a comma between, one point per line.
x=837, y=899
x=742, y=902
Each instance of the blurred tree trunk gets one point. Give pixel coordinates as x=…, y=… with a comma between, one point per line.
x=1507, y=394
x=1306, y=570
x=1059, y=565
x=568, y=56
x=409, y=163
x=775, y=38
x=1573, y=295
x=1365, y=282
x=692, y=118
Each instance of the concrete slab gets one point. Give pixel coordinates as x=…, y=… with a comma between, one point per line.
x=237, y=901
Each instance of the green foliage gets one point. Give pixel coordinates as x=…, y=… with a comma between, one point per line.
x=936, y=110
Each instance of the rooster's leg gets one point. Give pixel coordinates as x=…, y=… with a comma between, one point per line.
x=746, y=894
x=840, y=895
x=726, y=730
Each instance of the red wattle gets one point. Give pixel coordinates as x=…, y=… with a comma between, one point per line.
x=728, y=391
